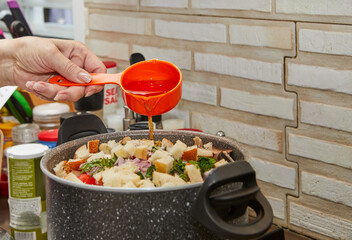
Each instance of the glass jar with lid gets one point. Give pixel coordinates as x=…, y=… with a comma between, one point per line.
x=47, y=116
x=25, y=133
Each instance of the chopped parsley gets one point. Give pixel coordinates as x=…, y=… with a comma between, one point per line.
x=150, y=170
x=179, y=168
x=98, y=165
x=155, y=148
x=140, y=174
x=204, y=163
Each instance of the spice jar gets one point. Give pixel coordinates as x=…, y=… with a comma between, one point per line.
x=27, y=201
x=25, y=133
x=47, y=116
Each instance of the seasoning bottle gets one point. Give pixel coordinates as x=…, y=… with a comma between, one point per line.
x=47, y=116
x=111, y=93
x=27, y=191
x=25, y=133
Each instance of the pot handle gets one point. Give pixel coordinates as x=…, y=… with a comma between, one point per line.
x=83, y=125
x=212, y=209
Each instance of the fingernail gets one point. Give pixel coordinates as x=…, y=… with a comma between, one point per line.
x=60, y=97
x=85, y=77
x=89, y=93
x=39, y=87
x=29, y=84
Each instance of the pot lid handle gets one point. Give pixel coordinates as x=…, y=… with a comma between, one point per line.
x=225, y=195
x=78, y=126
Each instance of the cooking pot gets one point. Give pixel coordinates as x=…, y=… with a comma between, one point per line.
x=215, y=209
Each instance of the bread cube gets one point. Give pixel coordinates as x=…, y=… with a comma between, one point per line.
x=105, y=148
x=145, y=183
x=96, y=156
x=73, y=178
x=93, y=146
x=166, y=180
x=61, y=169
x=220, y=163
x=82, y=152
x=204, y=152
x=120, y=151
x=166, y=144
x=141, y=152
x=190, y=153
x=193, y=173
x=164, y=165
x=177, y=150
x=158, y=155
x=130, y=148
x=74, y=164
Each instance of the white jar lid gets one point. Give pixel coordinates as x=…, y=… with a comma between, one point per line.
x=27, y=151
x=51, y=109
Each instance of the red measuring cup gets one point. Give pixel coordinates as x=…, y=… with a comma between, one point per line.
x=151, y=87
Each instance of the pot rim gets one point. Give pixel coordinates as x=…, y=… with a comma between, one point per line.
x=134, y=190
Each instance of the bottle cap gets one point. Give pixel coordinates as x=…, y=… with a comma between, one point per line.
x=50, y=135
x=26, y=151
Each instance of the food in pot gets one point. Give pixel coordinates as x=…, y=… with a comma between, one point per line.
x=142, y=163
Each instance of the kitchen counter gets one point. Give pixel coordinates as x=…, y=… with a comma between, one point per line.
x=5, y=216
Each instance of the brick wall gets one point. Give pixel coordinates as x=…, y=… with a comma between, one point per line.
x=277, y=75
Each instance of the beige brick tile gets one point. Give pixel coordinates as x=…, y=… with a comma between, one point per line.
x=182, y=59
x=121, y=2
x=324, y=41
x=326, y=115
x=202, y=32
x=122, y=24
x=240, y=67
x=109, y=49
x=245, y=133
x=271, y=35
x=277, y=174
x=327, y=188
x=318, y=77
x=269, y=105
x=278, y=206
x=319, y=222
x=315, y=7
x=257, y=5
x=320, y=150
x=199, y=92
x=165, y=3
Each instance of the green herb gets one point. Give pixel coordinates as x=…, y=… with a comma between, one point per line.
x=150, y=171
x=140, y=174
x=204, y=163
x=155, y=148
x=99, y=164
x=179, y=168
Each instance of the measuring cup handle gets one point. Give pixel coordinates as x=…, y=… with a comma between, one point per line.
x=97, y=79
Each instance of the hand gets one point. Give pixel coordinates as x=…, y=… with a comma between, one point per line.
x=29, y=62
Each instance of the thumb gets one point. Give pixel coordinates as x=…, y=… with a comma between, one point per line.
x=68, y=69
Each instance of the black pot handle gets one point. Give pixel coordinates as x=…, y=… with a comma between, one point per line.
x=209, y=208
x=78, y=126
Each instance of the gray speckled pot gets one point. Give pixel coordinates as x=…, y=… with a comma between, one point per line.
x=77, y=211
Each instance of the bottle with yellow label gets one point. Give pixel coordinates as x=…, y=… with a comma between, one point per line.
x=27, y=192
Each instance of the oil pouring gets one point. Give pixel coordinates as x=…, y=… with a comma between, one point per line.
x=27, y=191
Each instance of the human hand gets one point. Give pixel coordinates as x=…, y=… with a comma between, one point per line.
x=29, y=62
